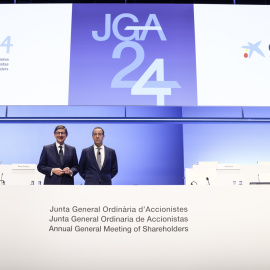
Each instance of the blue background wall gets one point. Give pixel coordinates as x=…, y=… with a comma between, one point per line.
x=153, y=144
x=148, y=152
x=226, y=143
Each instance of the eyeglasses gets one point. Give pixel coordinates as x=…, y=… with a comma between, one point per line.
x=97, y=134
x=60, y=133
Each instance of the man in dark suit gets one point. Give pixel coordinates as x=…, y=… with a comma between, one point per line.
x=98, y=163
x=58, y=161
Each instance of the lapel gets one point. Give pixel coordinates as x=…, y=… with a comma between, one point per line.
x=66, y=153
x=106, y=151
x=55, y=152
x=92, y=156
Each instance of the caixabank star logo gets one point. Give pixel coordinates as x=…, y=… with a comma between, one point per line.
x=252, y=48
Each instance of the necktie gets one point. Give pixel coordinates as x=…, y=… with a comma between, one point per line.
x=99, y=158
x=61, y=154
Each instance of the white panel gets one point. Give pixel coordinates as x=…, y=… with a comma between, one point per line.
x=228, y=228
x=20, y=174
x=38, y=61
x=224, y=75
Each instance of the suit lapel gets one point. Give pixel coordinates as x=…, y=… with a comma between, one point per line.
x=55, y=152
x=66, y=153
x=93, y=156
x=106, y=151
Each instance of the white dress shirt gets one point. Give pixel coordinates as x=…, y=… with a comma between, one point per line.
x=58, y=148
x=102, y=153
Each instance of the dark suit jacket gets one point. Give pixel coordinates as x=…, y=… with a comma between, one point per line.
x=50, y=159
x=90, y=171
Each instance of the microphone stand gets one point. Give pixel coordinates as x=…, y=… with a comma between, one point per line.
x=2, y=181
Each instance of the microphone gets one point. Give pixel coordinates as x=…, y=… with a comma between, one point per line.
x=2, y=181
x=207, y=179
x=99, y=152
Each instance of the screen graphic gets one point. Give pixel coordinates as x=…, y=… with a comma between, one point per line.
x=153, y=55
x=34, y=54
x=232, y=55
x=132, y=55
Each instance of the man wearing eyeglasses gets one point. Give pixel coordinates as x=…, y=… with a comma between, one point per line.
x=58, y=161
x=98, y=163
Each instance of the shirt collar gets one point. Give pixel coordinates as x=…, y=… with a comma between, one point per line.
x=101, y=147
x=57, y=145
